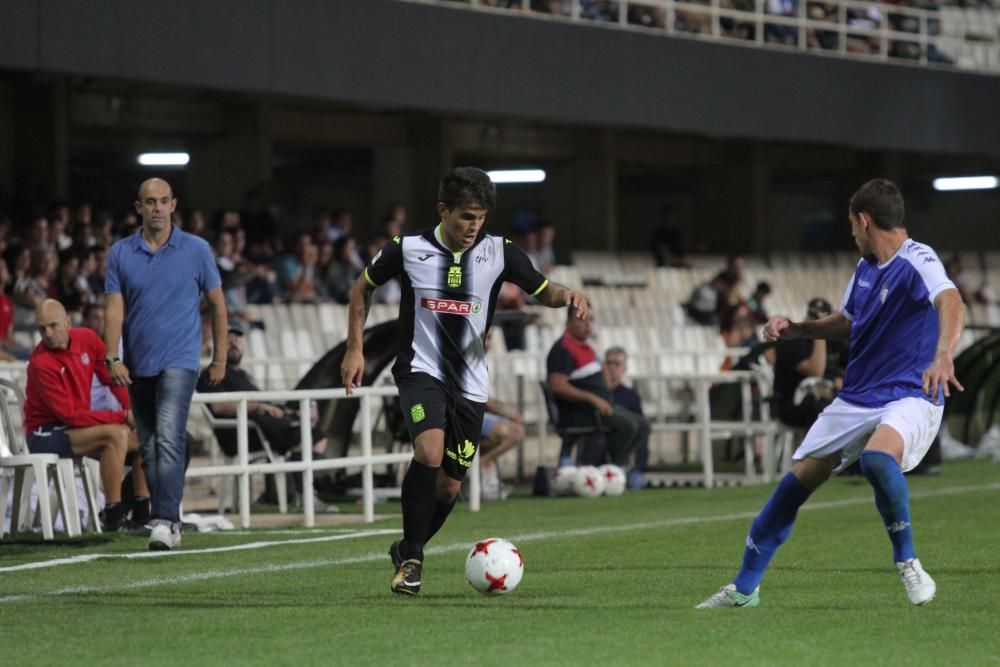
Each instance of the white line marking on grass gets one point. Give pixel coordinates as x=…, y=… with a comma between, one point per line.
x=86, y=558
x=463, y=546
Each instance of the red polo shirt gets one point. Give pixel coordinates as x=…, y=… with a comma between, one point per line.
x=58, y=389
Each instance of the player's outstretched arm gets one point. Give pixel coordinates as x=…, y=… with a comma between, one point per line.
x=352, y=369
x=951, y=318
x=556, y=296
x=831, y=327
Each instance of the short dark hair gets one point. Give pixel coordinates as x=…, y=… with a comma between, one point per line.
x=463, y=186
x=615, y=349
x=882, y=200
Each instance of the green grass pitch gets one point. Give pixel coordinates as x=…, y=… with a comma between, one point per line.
x=611, y=581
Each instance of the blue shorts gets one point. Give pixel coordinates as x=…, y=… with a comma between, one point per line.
x=490, y=422
x=50, y=440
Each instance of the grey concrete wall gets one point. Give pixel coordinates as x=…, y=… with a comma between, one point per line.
x=389, y=53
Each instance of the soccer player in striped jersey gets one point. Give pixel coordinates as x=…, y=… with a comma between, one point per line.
x=904, y=318
x=450, y=276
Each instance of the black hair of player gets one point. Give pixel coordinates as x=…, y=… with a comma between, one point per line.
x=882, y=201
x=465, y=186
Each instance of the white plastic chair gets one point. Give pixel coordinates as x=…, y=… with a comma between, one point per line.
x=280, y=481
x=21, y=469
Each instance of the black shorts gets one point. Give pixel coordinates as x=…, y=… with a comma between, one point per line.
x=428, y=403
x=50, y=440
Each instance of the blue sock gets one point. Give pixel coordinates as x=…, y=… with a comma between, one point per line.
x=892, y=498
x=769, y=530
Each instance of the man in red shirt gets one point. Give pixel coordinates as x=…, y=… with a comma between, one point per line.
x=57, y=414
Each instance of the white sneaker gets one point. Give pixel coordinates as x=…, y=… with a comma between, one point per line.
x=920, y=588
x=989, y=444
x=320, y=507
x=164, y=537
x=952, y=449
x=728, y=596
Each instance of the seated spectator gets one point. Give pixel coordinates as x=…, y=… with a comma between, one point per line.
x=796, y=360
x=543, y=256
x=280, y=427
x=502, y=431
x=342, y=270
x=71, y=289
x=297, y=272
x=709, y=300
x=615, y=361
x=577, y=383
x=103, y=397
x=58, y=418
x=31, y=290
x=10, y=349
x=756, y=302
x=390, y=291
x=775, y=33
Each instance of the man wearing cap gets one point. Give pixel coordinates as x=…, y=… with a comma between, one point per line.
x=795, y=361
x=281, y=428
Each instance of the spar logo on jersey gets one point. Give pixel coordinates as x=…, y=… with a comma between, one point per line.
x=452, y=307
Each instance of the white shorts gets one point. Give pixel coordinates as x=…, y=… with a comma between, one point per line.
x=845, y=428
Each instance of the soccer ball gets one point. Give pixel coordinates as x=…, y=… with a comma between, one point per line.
x=494, y=566
x=589, y=482
x=563, y=480
x=614, y=479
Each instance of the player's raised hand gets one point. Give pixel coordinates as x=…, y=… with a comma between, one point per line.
x=578, y=301
x=352, y=370
x=774, y=327
x=939, y=375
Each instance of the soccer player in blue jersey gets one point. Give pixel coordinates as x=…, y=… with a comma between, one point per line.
x=904, y=318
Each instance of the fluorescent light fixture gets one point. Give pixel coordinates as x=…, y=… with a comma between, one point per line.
x=517, y=175
x=164, y=159
x=966, y=183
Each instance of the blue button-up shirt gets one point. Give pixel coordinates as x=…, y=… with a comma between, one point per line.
x=162, y=293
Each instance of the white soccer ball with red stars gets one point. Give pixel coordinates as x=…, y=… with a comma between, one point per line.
x=563, y=480
x=614, y=479
x=589, y=482
x=494, y=566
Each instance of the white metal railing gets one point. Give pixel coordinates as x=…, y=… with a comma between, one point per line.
x=967, y=38
x=242, y=469
x=527, y=369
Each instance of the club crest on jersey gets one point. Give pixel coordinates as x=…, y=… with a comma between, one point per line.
x=884, y=293
x=85, y=359
x=454, y=276
x=452, y=307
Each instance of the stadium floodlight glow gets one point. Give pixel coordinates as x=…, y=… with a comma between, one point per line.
x=966, y=183
x=164, y=159
x=499, y=176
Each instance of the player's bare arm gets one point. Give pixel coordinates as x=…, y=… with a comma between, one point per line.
x=556, y=296
x=951, y=317
x=831, y=327
x=114, y=316
x=562, y=388
x=220, y=327
x=352, y=369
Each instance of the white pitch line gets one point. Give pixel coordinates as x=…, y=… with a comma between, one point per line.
x=86, y=558
x=463, y=546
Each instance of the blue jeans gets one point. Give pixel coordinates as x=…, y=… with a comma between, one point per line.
x=160, y=404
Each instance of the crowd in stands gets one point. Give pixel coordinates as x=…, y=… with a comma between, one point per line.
x=60, y=253
x=700, y=21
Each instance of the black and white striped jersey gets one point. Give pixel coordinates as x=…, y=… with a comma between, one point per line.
x=447, y=303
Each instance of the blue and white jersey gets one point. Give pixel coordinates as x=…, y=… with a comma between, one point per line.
x=894, y=325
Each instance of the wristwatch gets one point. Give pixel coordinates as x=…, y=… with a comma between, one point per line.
x=111, y=361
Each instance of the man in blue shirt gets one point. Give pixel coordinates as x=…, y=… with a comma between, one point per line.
x=155, y=279
x=904, y=318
